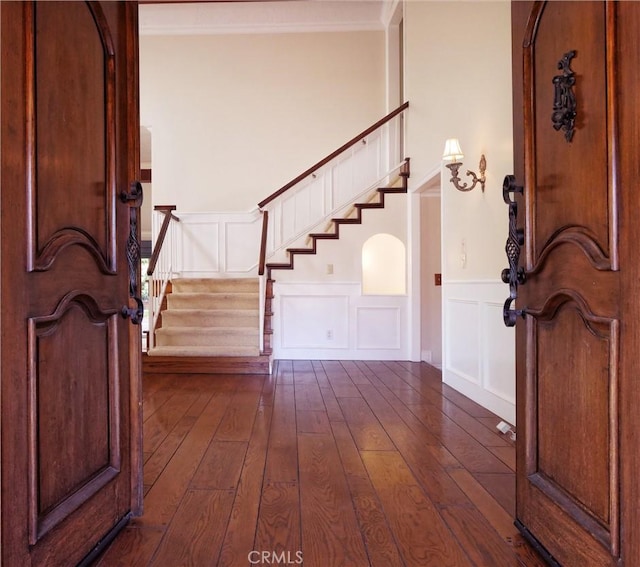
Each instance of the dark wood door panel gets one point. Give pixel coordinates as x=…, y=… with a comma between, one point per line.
x=73, y=408
x=571, y=177
x=70, y=361
x=572, y=349
x=570, y=547
x=72, y=145
x=577, y=408
x=569, y=268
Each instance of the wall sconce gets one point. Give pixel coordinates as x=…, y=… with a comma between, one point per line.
x=453, y=152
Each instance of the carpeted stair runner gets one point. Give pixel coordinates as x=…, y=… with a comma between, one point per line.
x=210, y=317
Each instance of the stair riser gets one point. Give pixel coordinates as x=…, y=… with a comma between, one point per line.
x=203, y=319
x=216, y=285
x=200, y=338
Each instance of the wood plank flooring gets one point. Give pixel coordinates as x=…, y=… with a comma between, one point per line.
x=324, y=464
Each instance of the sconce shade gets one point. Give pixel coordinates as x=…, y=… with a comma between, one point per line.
x=452, y=150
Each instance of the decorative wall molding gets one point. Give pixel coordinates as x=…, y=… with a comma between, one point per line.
x=478, y=350
x=335, y=321
x=314, y=321
x=217, y=244
x=378, y=327
x=208, y=18
x=463, y=353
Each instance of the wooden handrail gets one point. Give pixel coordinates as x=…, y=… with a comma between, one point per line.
x=263, y=242
x=168, y=215
x=333, y=155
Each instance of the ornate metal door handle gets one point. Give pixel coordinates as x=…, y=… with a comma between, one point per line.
x=513, y=275
x=133, y=198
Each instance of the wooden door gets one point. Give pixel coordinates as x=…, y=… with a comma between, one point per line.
x=577, y=126
x=70, y=368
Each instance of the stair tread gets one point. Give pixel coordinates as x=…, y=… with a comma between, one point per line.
x=279, y=265
x=347, y=220
x=216, y=293
x=324, y=235
x=301, y=250
x=204, y=279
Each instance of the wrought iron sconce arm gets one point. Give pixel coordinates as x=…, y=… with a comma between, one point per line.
x=455, y=179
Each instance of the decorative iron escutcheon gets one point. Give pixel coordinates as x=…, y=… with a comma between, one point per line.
x=513, y=275
x=134, y=199
x=564, y=98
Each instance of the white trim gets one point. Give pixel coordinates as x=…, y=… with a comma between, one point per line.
x=429, y=184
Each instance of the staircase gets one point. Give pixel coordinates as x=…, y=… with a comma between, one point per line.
x=354, y=215
x=210, y=325
x=213, y=325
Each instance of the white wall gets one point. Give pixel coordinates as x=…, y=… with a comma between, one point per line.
x=146, y=210
x=235, y=117
x=458, y=81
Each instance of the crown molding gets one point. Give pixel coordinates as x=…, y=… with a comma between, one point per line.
x=290, y=16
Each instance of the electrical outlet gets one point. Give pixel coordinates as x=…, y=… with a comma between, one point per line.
x=329, y=269
x=330, y=335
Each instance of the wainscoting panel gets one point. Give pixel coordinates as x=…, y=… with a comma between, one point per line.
x=241, y=246
x=499, y=364
x=478, y=350
x=378, y=327
x=335, y=321
x=463, y=316
x=198, y=246
x=218, y=244
x=312, y=321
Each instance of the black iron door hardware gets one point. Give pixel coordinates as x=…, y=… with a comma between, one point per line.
x=513, y=275
x=564, y=98
x=133, y=198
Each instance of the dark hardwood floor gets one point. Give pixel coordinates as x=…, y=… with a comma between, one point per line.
x=332, y=463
